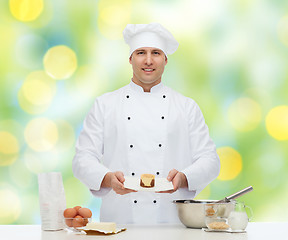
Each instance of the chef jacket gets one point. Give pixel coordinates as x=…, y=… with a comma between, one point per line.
x=138, y=132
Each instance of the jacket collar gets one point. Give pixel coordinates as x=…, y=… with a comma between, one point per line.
x=155, y=89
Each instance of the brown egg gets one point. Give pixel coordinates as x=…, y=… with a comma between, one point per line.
x=85, y=221
x=70, y=213
x=69, y=222
x=78, y=221
x=85, y=212
x=77, y=208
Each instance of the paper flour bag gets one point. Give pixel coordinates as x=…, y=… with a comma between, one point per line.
x=51, y=200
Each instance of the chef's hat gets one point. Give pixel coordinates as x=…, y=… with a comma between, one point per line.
x=149, y=35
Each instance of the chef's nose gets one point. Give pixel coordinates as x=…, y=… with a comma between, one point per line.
x=148, y=59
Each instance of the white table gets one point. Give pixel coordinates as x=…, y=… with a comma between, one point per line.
x=254, y=231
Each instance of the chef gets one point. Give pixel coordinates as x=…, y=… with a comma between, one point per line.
x=145, y=127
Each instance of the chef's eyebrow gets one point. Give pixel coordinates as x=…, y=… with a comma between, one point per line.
x=152, y=50
x=140, y=50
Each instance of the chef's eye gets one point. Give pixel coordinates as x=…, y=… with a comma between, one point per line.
x=156, y=53
x=140, y=53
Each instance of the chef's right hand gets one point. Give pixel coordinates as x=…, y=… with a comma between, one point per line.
x=115, y=181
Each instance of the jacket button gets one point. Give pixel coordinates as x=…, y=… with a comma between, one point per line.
x=154, y=201
x=129, y=118
x=164, y=96
x=133, y=173
x=131, y=146
x=162, y=117
x=160, y=145
x=157, y=173
x=135, y=201
x=127, y=96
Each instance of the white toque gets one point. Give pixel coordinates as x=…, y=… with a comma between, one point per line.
x=149, y=35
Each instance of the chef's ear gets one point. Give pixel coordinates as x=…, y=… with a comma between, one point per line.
x=130, y=58
x=166, y=60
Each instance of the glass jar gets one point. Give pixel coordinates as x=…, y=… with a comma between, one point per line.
x=238, y=219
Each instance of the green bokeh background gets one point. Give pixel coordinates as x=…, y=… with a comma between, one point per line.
x=228, y=50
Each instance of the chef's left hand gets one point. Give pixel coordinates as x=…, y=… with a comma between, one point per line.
x=178, y=179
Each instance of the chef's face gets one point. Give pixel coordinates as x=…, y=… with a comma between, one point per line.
x=148, y=66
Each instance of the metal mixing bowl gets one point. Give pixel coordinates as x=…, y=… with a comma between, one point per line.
x=192, y=212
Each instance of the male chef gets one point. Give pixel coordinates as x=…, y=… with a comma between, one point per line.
x=145, y=127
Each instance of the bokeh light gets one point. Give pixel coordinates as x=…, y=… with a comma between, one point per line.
x=231, y=163
x=283, y=30
x=14, y=128
x=26, y=10
x=277, y=122
x=37, y=92
x=8, y=143
x=41, y=134
x=10, y=205
x=113, y=17
x=28, y=106
x=39, y=88
x=60, y=62
x=9, y=148
x=244, y=114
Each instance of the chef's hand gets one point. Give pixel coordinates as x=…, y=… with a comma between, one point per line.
x=115, y=181
x=178, y=180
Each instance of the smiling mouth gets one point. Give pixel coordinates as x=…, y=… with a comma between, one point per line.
x=148, y=69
